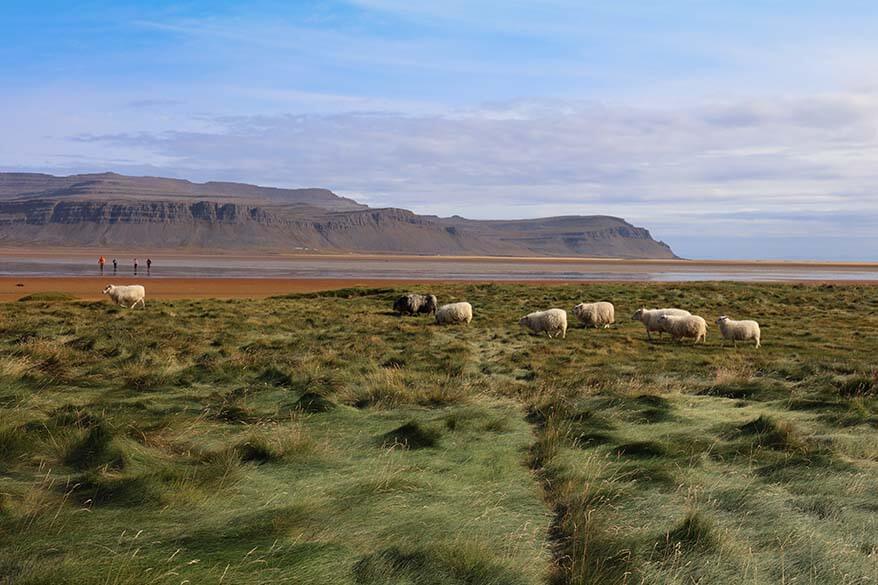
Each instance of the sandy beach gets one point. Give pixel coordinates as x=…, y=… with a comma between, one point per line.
x=89, y=288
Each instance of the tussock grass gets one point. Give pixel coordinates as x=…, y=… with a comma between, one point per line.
x=695, y=534
x=859, y=385
x=321, y=439
x=313, y=402
x=95, y=449
x=411, y=435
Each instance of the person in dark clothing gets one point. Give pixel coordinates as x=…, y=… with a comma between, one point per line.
x=135, y=266
x=115, y=266
x=148, y=265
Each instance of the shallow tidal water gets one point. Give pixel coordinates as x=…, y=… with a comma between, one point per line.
x=394, y=268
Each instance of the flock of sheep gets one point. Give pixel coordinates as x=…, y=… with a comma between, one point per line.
x=679, y=323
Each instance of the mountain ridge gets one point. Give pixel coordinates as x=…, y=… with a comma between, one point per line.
x=111, y=209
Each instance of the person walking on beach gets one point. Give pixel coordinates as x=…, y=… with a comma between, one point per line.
x=135, y=266
x=101, y=261
x=115, y=265
x=148, y=265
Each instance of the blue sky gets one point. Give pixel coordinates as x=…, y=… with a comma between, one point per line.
x=729, y=129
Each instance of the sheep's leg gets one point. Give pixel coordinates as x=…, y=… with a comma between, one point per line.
x=757, y=342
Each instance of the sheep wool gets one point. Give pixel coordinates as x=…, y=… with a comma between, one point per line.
x=414, y=304
x=454, y=313
x=651, y=319
x=736, y=331
x=551, y=322
x=127, y=295
x=600, y=314
x=685, y=327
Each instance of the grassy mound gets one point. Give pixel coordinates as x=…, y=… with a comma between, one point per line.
x=313, y=402
x=411, y=435
x=95, y=449
x=767, y=432
x=641, y=450
x=695, y=534
x=46, y=297
x=859, y=385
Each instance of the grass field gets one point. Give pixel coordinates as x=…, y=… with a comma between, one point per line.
x=319, y=438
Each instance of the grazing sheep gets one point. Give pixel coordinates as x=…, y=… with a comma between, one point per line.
x=739, y=330
x=651, y=318
x=454, y=313
x=595, y=314
x=414, y=304
x=127, y=296
x=552, y=322
x=685, y=327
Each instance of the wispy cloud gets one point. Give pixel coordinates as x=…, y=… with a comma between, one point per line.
x=721, y=169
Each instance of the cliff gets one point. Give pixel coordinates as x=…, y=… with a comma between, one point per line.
x=150, y=212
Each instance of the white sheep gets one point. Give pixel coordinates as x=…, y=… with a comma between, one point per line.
x=552, y=322
x=454, y=313
x=595, y=314
x=651, y=318
x=739, y=330
x=684, y=327
x=127, y=296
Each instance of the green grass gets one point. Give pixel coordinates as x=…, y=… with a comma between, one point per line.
x=320, y=439
x=46, y=297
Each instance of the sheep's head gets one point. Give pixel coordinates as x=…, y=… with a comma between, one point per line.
x=524, y=321
x=722, y=320
x=108, y=288
x=638, y=314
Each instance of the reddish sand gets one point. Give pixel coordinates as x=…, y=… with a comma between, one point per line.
x=89, y=288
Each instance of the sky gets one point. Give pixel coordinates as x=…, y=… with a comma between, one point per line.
x=744, y=129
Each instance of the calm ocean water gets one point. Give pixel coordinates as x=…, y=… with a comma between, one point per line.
x=423, y=268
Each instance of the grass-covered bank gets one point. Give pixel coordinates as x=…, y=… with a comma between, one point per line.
x=319, y=438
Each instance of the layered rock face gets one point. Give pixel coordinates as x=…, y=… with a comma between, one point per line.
x=149, y=212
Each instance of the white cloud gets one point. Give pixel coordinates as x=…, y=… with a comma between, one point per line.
x=748, y=168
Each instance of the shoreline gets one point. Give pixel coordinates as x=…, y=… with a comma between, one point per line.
x=88, y=288
x=91, y=254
